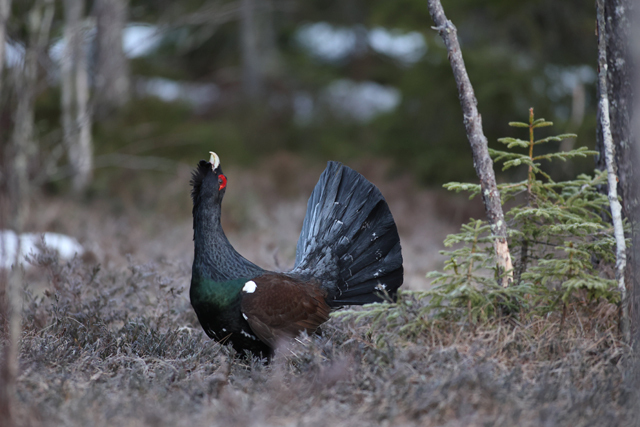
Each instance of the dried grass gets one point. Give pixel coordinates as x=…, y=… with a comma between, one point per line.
x=116, y=343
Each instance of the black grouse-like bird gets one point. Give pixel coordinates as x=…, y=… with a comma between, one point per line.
x=348, y=253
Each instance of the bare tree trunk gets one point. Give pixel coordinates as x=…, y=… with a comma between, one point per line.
x=252, y=82
x=633, y=185
x=620, y=91
x=26, y=79
x=616, y=209
x=5, y=9
x=76, y=114
x=479, y=145
x=112, y=69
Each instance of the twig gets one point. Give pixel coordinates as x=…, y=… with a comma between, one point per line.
x=478, y=141
x=616, y=210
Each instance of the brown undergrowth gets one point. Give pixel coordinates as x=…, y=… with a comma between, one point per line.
x=108, y=347
x=110, y=339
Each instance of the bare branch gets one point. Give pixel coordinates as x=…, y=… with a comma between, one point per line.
x=478, y=141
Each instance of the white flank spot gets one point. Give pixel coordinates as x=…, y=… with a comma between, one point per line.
x=224, y=330
x=249, y=287
x=245, y=316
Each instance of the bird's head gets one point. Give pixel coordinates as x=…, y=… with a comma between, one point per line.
x=208, y=181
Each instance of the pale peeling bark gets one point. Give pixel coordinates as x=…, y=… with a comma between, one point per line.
x=76, y=114
x=616, y=209
x=478, y=141
x=621, y=70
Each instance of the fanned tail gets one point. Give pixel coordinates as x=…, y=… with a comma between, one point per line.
x=349, y=240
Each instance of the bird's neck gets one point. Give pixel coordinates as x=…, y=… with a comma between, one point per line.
x=214, y=257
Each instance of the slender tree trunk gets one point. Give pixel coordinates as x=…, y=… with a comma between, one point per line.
x=76, y=114
x=621, y=68
x=633, y=185
x=479, y=145
x=252, y=83
x=112, y=79
x=26, y=79
x=616, y=209
x=5, y=9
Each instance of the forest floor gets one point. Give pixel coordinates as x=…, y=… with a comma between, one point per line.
x=111, y=340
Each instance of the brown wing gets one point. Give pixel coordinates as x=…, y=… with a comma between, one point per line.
x=278, y=306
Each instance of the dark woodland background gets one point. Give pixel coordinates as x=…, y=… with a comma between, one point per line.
x=111, y=103
x=324, y=80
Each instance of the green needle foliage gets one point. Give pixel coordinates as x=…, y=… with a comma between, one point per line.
x=560, y=239
x=468, y=285
x=559, y=233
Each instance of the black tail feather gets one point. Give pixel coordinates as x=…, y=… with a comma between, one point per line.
x=349, y=240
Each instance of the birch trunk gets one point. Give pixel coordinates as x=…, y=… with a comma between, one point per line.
x=478, y=141
x=5, y=9
x=76, y=114
x=607, y=139
x=112, y=79
x=26, y=79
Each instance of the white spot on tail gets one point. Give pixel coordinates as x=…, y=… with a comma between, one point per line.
x=245, y=316
x=249, y=287
x=247, y=335
x=381, y=287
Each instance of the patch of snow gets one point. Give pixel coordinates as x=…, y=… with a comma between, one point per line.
x=333, y=43
x=13, y=54
x=566, y=78
x=361, y=101
x=66, y=246
x=404, y=47
x=196, y=94
x=327, y=42
x=137, y=40
x=140, y=39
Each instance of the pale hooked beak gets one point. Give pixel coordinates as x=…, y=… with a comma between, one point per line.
x=214, y=160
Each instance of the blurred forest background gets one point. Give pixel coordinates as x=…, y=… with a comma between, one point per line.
x=146, y=84
x=108, y=105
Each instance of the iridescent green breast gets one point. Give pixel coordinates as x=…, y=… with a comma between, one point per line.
x=220, y=295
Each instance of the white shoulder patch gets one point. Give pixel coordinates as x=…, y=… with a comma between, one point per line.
x=249, y=287
x=245, y=316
